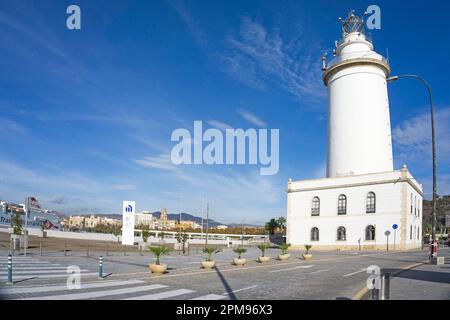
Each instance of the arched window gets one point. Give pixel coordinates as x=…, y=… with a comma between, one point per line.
x=341, y=234
x=410, y=232
x=370, y=202
x=342, y=204
x=315, y=234
x=370, y=233
x=315, y=208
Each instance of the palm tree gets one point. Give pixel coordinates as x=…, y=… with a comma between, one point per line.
x=263, y=247
x=209, y=252
x=158, y=252
x=17, y=224
x=240, y=251
x=284, y=247
x=145, y=233
x=281, y=221
x=308, y=247
x=271, y=226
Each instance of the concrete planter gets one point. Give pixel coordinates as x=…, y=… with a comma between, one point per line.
x=307, y=256
x=283, y=257
x=263, y=259
x=208, y=264
x=239, y=262
x=158, y=268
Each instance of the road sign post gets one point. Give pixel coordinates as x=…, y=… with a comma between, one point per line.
x=387, y=234
x=10, y=281
x=395, y=227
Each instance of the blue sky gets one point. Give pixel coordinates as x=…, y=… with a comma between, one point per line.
x=87, y=115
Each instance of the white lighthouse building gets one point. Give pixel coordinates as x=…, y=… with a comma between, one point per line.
x=363, y=203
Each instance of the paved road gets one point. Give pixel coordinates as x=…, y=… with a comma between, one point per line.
x=329, y=275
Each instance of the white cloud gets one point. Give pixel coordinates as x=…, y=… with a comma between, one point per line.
x=9, y=126
x=261, y=58
x=413, y=136
x=250, y=117
x=219, y=125
x=161, y=161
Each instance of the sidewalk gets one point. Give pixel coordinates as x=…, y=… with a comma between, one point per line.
x=425, y=282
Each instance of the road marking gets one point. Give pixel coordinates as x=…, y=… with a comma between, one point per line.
x=34, y=268
x=162, y=295
x=26, y=262
x=294, y=268
x=227, y=293
x=49, y=276
x=31, y=272
x=210, y=297
x=356, y=272
x=319, y=271
x=98, y=294
x=99, y=284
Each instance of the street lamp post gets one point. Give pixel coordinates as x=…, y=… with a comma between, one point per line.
x=433, y=142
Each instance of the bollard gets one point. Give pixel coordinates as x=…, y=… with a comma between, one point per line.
x=100, y=267
x=10, y=281
x=385, y=286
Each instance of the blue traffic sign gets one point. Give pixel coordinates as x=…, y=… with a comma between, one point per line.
x=394, y=226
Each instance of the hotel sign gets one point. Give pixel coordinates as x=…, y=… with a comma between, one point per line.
x=128, y=211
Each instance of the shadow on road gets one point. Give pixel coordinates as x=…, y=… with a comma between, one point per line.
x=429, y=276
x=225, y=284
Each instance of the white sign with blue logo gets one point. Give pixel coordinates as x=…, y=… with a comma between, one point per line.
x=128, y=222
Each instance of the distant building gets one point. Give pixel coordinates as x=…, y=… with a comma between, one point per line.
x=222, y=227
x=184, y=224
x=145, y=218
x=91, y=221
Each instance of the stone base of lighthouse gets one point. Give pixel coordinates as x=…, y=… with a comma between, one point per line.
x=356, y=212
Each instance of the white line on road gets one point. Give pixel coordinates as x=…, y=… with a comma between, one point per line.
x=319, y=271
x=32, y=272
x=34, y=268
x=48, y=276
x=63, y=288
x=353, y=273
x=367, y=262
x=210, y=297
x=162, y=295
x=299, y=267
x=98, y=294
x=227, y=293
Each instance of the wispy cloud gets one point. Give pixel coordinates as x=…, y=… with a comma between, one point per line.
x=187, y=17
x=250, y=117
x=261, y=57
x=219, y=124
x=413, y=136
x=162, y=162
x=9, y=126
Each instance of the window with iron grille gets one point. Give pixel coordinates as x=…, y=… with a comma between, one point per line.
x=315, y=234
x=341, y=234
x=370, y=233
x=342, y=204
x=371, y=203
x=315, y=208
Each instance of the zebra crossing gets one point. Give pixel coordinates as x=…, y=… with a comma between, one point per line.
x=102, y=290
x=30, y=267
x=33, y=267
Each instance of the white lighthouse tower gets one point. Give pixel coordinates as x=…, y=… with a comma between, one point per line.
x=359, y=125
x=363, y=198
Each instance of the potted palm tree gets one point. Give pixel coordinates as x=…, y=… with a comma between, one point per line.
x=239, y=261
x=263, y=247
x=157, y=267
x=307, y=255
x=284, y=247
x=209, y=263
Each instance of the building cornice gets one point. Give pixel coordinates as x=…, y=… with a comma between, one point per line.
x=359, y=184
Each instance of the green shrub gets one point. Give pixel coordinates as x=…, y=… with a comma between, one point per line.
x=240, y=251
x=159, y=251
x=284, y=247
x=263, y=247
